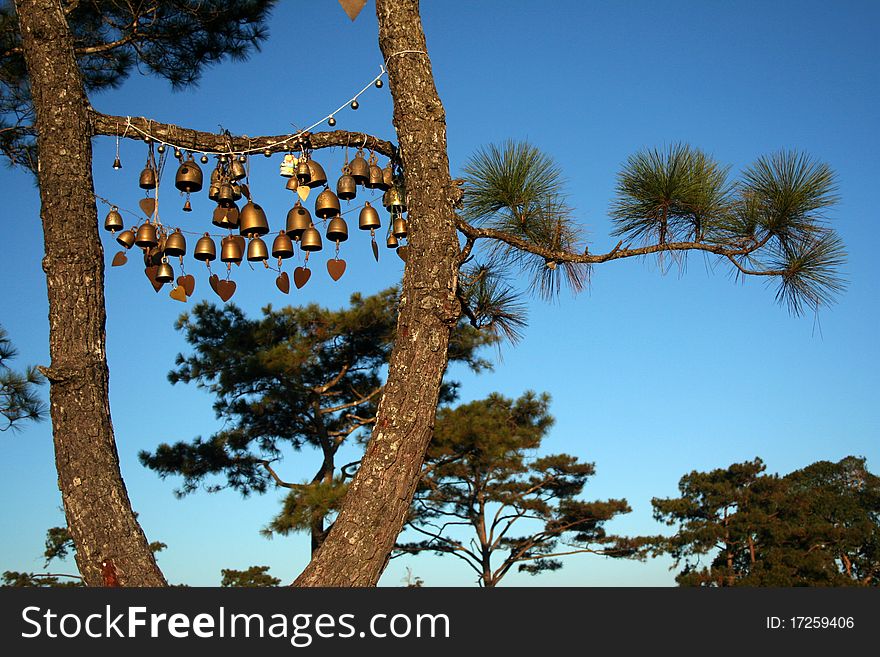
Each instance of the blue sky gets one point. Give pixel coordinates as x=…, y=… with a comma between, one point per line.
x=651, y=375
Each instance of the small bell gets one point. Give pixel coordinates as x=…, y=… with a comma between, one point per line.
x=117, y=164
x=287, y=168
x=317, y=175
x=252, y=220
x=327, y=205
x=231, y=250
x=360, y=169
x=388, y=176
x=282, y=247
x=399, y=228
x=175, y=245
x=292, y=183
x=303, y=172
x=225, y=197
x=165, y=273
x=146, y=236
x=237, y=170
x=311, y=240
x=393, y=200
x=368, y=218
x=298, y=219
x=148, y=178
x=187, y=207
x=257, y=251
x=337, y=230
x=126, y=238
x=346, y=187
x=189, y=176
x=375, y=179
x=205, y=249
x=113, y=221
x=216, y=176
x=391, y=242
x=214, y=192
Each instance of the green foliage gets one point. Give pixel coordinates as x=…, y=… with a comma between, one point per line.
x=12, y=578
x=481, y=475
x=255, y=576
x=819, y=526
x=59, y=544
x=19, y=400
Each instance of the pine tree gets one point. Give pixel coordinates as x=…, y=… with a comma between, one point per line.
x=19, y=400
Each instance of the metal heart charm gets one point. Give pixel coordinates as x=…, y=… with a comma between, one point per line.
x=178, y=293
x=245, y=191
x=303, y=191
x=301, y=276
x=151, y=272
x=352, y=7
x=119, y=259
x=225, y=289
x=188, y=283
x=148, y=205
x=283, y=282
x=403, y=252
x=375, y=250
x=336, y=268
x=213, y=280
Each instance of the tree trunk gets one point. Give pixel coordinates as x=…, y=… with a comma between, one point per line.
x=373, y=512
x=96, y=503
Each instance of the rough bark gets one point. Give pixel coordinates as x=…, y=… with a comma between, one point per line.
x=356, y=550
x=99, y=514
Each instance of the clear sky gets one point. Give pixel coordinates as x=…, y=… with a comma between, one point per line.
x=651, y=375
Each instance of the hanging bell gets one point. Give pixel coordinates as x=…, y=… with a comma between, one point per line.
x=216, y=176
x=327, y=205
x=282, y=247
x=126, y=238
x=226, y=217
x=399, y=228
x=375, y=179
x=346, y=187
x=214, y=192
x=187, y=207
x=360, y=169
x=368, y=218
x=292, y=183
x=317, y=175
x=175, y=245
x=189, y=176
x=113, y=221
x=117, y=164
x=303, y=172
x=388, y=176
x=148, y=178
x=165, y=273
x=310, y=240
x=205, y=249
x=231, y=250
x=298, y=219
x=337, y=230
x=257, y=250
x=287, y=168
x=237, y=170
x=146, y=236
x=225, y=197
x=391, y=242
x=252, y=220
x=393, y=200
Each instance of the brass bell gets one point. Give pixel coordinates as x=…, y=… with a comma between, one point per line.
x=393, y=200
x=282, y=247
x=113, y=221
x=252, y=220
x=187, y=207
x=368, y=218
x=236, y=170
x=189, y=176
x=257, y=250
x=399, y=228
x=360, y=170
x=391, y=243
x=165, y=274
x=126, y=238
x=231, y=250
x=226, y=217
x=327, y=204
x=236, y=192
x=214, y=192
x=225, y=197
x=148, y=178
x=346, y=187
x=337, y=230
x=205, y=249
x=215, y=176
x=298, y=219
x=375, y=179
x=310, y=240
x=292, y=183
x=175, y=245
x=146, y=236
x=318, y=177
x=303, y=172
x=287, y=168
x=388, y=176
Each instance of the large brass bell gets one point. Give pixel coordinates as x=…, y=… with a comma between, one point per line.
x=236, y=170
x=311, y=240
x=257, y=250
x=231, y=250
x=327, y=204
x=375, y=179
x=368, y=218
x=189, y=176
x=388, y=176
x=205, y=249
x=148, y=178
x=165, y=274
x=303, y=172
x=282, y=247
x=391, y=242
x=360, y=169
x=298, y=219
x=126, y=238
x=225, y=196
x=393, y=200
x=113, y=221
x=399, y=228
x=346, y=187
x=252, y=220
x=175, y=245
x=146, y=236
x=337, y=230
x=318, y=177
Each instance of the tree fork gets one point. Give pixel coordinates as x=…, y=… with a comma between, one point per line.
x=99, y=515
x=373, y=511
